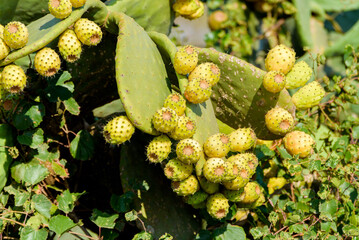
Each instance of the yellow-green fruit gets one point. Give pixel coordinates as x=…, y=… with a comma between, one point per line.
x=275, y=183
x=165, y=120
x=217, y=145
x=88, y=32
x=176, y=170
x=47, y=62
x=208, y=71
x=118, y=130
x=239, y=182
x=186, y=7
x=246, y=163
x=69, y=46
x=298, y=143
x=280, y=58
x=259, y=202
x=198, y=90
x=298, y=76
x=159, y=149
x=60, y=8
x=186, y=187
x=13, y=79
x=189, y=151
x=274, y=81
x=233, y=195
x=217, y=170
x=279, y=121
x=217, y=19
x=185, y=128
x=77, y=3
x=197, y=14
x=217, y=206
x=308, y=96
x=185, y=60
x=242, y=139
x=207, y=186
x=251, y=193
x=196, y=198
x=176, y=102
x=241, y=214
x=4, y=49
x=16, y=35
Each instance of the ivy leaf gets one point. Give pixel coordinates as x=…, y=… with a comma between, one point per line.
x=72, y=106
x=143, y=236
x=18, y=171
x=66, y=201
x=35, y=173
x=131, y=216
x=29, y=115
x=21, y=198
x=102, y=219
x=60, y=224
x=328, y=209
x=123, y=202
x=350, y=230
x=229, y=232
x=82, y=147
x=28, y=233
x=32, y=138
x=42, y=204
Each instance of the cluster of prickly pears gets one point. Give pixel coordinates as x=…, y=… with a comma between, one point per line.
x=63, y=8
x=190, y=9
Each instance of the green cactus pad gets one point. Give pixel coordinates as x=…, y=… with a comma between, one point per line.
x=6, y=139
x=140, y=73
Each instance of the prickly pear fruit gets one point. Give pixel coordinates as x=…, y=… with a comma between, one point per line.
x=16, y=35
x=189, y=151
x=207, y=186
x=118, y=130
x=216, y=170
x=198, y=90
x=69, y=46
x=176, y=170
x=185, y=128
x=232, y=172
x=217, y=145
x=186, y=7
x=77, y=3
x=196, y=198
x=242, y=139
x=259, y=202
x=88, y=32
x=47, y=62
x=251, y=193
x=247, y=161
x=186, y=187
x=279, y=121
x=241, y=214
x=308, y=96
x=60, y=8
x=217, y=206
x=4, y=49
x=298, y=143
x=159, y=149
x=185, y=60
x=239, y=182
x=298, y=76
x=274, y=81
x=208, y=71
x=233, y=195
x=176, y=102
x=217, y=20
x=280, y=58
x=13, y=79
x=165, y=120
x=197, y=14
x=275, y=183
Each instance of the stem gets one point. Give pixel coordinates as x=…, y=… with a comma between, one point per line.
x=14, y=221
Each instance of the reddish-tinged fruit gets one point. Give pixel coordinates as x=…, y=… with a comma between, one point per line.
x=308, y=96
x=279, y=121
x=185, y=60
x=280, y=58
x=274, y=81
x=298, y=143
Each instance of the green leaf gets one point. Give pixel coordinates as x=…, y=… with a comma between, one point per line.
x=82, y=147
x=350, y=230
x=6, y=139
x=18, y=171
x=59, y=169
x=72, y=106
x=42, y=204
x=28, y=233
x=60, y=224
x=35, y=173
x=296, y=228
x=109, y=234
x=108, y=109
x=131, y=216
x=28, y=115
x=229, y=232
x=328, y=209
x=21, y=198
x=59, y=89
x=102, y=219
x=32, y=138
x=66, y=201
x=143, y=236
x=283, y=153
x=315, y=165
x=122, y=203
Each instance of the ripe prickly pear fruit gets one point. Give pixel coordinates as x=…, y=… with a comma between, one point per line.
x=217, y=20
x=165, y=120
x=217, y=206
x=298, y=143
x=298, y=76
x=197, y=14
x=176, y=102
x=16, y=35
x=88, y=32
x=251, y=193
x=186, y=7
x=308, y=96
x=247, y=161
x=60, y=8
x=233, y=195
x=13, y=79
x=216, y=170
x=198, y=90
x=77, y=3
x=118, y=130
x=232, y=172
x=217, y=145
x=208, y=71
x=69, y=46
x=185, y=128
x=279, y=121
x=274, y=81
x=4, y=49
x=280, y=58
x=275, y=183
x=196, y=198
x=207, y=186
x=242, y=139
x=185, y=60
x=176, y=170
x=47, y=62
x=159, y=149
x=189, y=151
x=186, y=187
